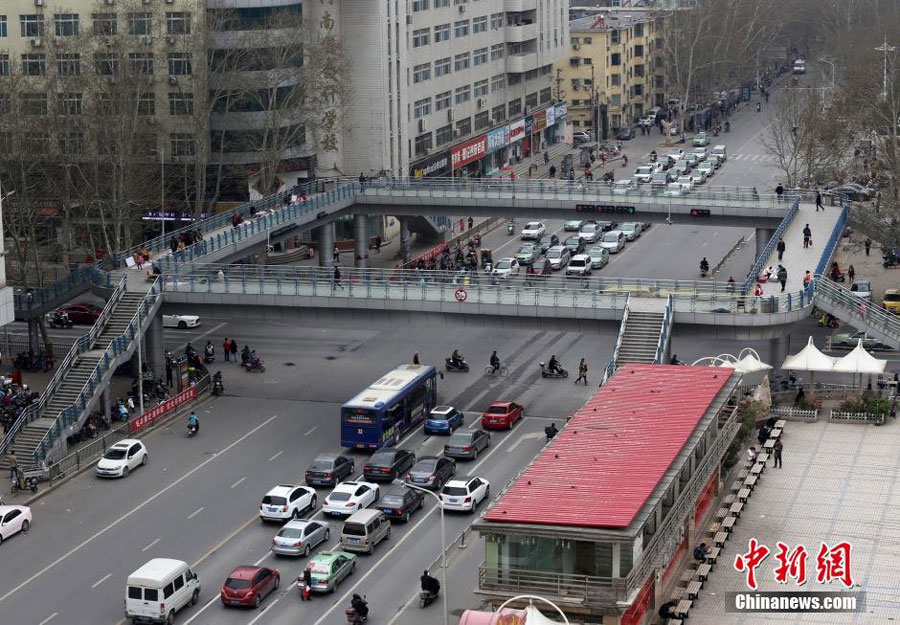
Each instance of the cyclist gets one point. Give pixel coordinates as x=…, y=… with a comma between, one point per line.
x=495, y=362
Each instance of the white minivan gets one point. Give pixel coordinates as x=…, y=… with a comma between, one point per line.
x=720, y=152
x=157, y=590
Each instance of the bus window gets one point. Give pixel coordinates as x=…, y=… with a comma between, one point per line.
x=392, y=415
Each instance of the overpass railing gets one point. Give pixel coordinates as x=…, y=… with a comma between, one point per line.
x=770, y=246
x=860, y=313
x=828, y=250
x=36, y=299
x=668, y=318
x=622, y=324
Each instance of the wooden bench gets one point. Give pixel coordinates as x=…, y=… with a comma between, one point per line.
x=743, y=495
x=757, y=469
x=744, y=473
x=703, y=572
x=769, y=444
x=779, y=425
x=736, y=509
x=762, y=458
x=683, y=607
x=719, y=539
x=728, y=500
x=728, y=524
x=674, y=621
x=687, y=577
x=693, y=590
x=712, y=529
x=750, y=482
x=712, y=556
x=737, y=485
x=721, y=513
x=775, y=433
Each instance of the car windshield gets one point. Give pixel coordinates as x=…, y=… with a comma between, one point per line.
x=577, y=262
x=644, y=170
x=461, y=438
x=455, y=491
x=589, y=228
x=290, y=532
x=503, y=264
x=354, y=529
x=610, y=238
x=340, y=496
x=546, y=238
x=320, y=465
x=115, y=453
x=237, y=584
x=554, y=254
x=596, y=251
x=270, y=500
x=533, y=226
x=892, y=297
x=392, y=500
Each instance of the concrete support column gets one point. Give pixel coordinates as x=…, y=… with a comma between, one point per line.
x=106, y=403
x=762, y=239
x=34, y=335
x=361, y=241
x=778, y=350
x=155, y=352
x=326, y=245
x=404, y=238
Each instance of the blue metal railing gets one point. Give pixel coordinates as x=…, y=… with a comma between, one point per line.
x=668, y=318
x=770, y=246
x=863, y=314
x=33, y=299
x=615, y=358
x=828, y=250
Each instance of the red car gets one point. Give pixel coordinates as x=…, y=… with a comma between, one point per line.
x=502, y=414
x=248, y=585
x=81, y=312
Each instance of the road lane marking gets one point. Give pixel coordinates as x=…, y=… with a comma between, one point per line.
x=273, y=602
x=311, y=430
x=236, y=484
x=211, y=330
x=524, y=437
x=150, y=545
x=196, y=512
x=101, y=580
x=200, y=611
x=276, y=455
x=49, y=618
x=425, y=441
x=131, y=512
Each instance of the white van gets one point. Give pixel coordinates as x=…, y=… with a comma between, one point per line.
x=720, y=152
x=365, y=529
x=157, y=590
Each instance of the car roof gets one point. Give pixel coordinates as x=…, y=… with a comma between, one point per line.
x=558, y=248
x=281, y=489
x=127, y=442
x=301, y=523
x=327, y=457
x=459, y=482
x=349, y=486
x=500, y=402
x=615, y=232
x=244, y=571
x=534, y=223
x=891, y=291
x=5, y=509
x=583, y=257
x=443, y=408
x=506, y=258
x=329, y=556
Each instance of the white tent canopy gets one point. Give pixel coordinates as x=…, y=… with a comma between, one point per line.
x=860, y=361
x=809, y=359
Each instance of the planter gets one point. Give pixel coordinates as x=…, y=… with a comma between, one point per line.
x=856, y=417
x=789, y=413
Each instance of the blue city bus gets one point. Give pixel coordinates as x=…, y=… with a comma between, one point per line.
x=389, y=408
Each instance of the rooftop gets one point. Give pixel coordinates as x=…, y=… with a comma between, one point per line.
x=615, y=449
x=612, y=20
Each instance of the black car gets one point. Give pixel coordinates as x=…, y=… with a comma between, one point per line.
x=623, y=134
x=606, y=226
x=467, y=444
x=575, y=245
x=431, y=472
x=387, y=464
x=399, y=504
x=328, y=470
x=548, y=241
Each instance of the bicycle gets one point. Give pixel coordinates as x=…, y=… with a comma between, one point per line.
x=502, y=371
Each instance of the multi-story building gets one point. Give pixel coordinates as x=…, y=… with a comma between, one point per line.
x=613, y=74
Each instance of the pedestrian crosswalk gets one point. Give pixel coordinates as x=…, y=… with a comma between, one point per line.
x=758, y=158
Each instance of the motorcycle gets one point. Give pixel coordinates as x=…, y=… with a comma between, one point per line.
x=450, y=365
x=547, y=373
x=727, y=126
x=891, y=259
x=259, y=366
x=477, y=239
x=758, y=107
x=60, y=320
x=828, y=321
x=218, y=389
x=704, y=269
x=359, y=612
x=209, y=358
x=510, y=228
x=426, y=598
x=192, y=431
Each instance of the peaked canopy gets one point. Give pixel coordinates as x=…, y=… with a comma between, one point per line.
x=750, y=362
x=809, y=359
x=860, y=361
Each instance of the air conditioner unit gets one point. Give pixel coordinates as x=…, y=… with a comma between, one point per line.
x=462, y=8
x=481, y=102
x=451, y=115
x=423, y=125
x=491, y=122
x=38, y=3
x=409, y=19
x=37, y=42
x=173, y=80
x=170, y=40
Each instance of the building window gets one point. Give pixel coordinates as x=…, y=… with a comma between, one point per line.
x=105, y=23
x=587, y=41
x=497, y=51
x=183, y=144
x=32, y=25
x=141, y=62
x=421, y=37
x=546, y=95
x=639, y=71
x=461, y=28
x=615, y=59
x=422, y=108
x=4, y=64
x=461, y=61
x=615, y=80
x=459, y=1
x=181, y=103
x=482, y=120
x=423, y=144
x=587, y=60
x=481, y=88
x=479, y=24
x=420, y=5
x=531, y=101
x=441, y=33
x=422, y=72
x=498, y=113
x=146, y=104
x=638, y=30
x=72, y=143
x=442, y=101
x=480, y=56
x=464, y=126
x=65, y=24
x=442, y=67
x=496, y=20
x=37, y=142
x=660, y=82
x=441, y=4
x=106, y=64
x=180, y=64
x=638, y=50
x=637, y=90
x=463, y=94
x=514, y=79
x=444, y=134
x=68, y=64
x=140, y=24
x=4, y=32
x=615, y=100
x=531, y=74
x=34, y=103
x=614, y=36
x=178, y=23
x=514, y=107
x=34, y=65
x=70, y=104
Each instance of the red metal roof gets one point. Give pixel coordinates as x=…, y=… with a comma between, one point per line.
x=600, y=470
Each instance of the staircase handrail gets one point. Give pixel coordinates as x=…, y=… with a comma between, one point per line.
x=668, y=317
x=857, y=309
x=828, y=249
x=41, y=296
x=770, y=246
x=615, y=358
x=116, y=346
x=80, y=346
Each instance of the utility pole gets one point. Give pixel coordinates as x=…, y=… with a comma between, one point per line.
x=885, y=48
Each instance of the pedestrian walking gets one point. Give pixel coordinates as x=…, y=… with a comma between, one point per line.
x=169, y=371
x=378, y=244
x=173, y=244
x=336, y=254
x=779, y=191
x=807, y=279
x=416, y=358
x=337, y=279
x=851, y=273
x=778, y=448
x=234, y=351
x=807, y=235
x=462, y=225
x=582, y=372
x=13, y=464
x=868, y=244
x=226, y=349
x=471, y=223
x=780, y=247
x=819, y=201
x=782, y=277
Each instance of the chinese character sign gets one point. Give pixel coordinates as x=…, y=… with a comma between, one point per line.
x=832, y=563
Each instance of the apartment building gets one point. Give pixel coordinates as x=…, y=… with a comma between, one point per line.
x=614, y=72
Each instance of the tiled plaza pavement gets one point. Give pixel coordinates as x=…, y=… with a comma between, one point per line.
x=840, y=482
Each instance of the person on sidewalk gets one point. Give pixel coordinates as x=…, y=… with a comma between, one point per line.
x=13, y=464
x=819, y=201
x=807, y=235
x=778, y=448
x=782, y=277
x=780, y=247
x=582, y=372
x=779, y=191
x=234, y=351
x=337, y=279
x=851, y=273
x=226, y=347
x=807, y=279
x=868, y=244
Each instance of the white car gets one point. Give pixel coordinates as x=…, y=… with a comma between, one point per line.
x=589, y=233
x=348, y=497
x=644, y=173
x=182, y=322
x=15, y=519
x=621, y=187
x=707, y=167
x=533, y=230
x=673, y=189
x=685, y=182
x=613, y=241
x=676, y=154
x=287, y=501
x=465, y=494
x=558, y=256
x=580, y=265
x=506, y=267
x=698, y=176
x=123, y=457
x=700, y=153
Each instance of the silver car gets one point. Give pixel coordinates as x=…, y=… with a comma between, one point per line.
x=299, y=537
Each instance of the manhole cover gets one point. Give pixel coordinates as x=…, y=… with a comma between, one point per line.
x=290, y=364
x=330, y=358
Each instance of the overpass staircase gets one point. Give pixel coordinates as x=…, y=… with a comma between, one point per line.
x=645, y=331
x=429, y=226
x=861, y=314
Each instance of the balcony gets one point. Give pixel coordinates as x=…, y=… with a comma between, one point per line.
x=515, y=6
x=520, y=63
x=559, y=587
x=519, y=34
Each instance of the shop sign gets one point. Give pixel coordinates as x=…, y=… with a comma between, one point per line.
x=436, y=165
x=551, y=116
x=539, y=121
x=560, y=110
x=468, y=152
x=529, y=125
x=517, y=131
x=496, y=139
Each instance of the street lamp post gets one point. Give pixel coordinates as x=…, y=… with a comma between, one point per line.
x=824, y=60
x=885, y=48
x=443, y=547
x=531, y=599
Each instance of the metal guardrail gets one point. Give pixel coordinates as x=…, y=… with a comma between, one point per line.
x=855, y=417
x=667, y=321
x=728, y=256
x=40, y=298
x=834, y=237
x=770, y=246
x=795, y=414
x=585, y=588
x=862, y=314
x=615, y=358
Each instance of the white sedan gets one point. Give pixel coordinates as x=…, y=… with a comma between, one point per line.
x=533, y=230
x=465, y=494
x=348, y=497
x=121, y=458
x=506, y=267
x=14, y=519
x=287, y=501
x=182, y=322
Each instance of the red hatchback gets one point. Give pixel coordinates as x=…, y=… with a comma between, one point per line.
x=81, y=312
x=502, y=414
x=248, y=585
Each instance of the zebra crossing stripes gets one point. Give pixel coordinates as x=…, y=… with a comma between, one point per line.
x=759, y=158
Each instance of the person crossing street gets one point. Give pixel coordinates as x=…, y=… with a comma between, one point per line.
x=582, y=372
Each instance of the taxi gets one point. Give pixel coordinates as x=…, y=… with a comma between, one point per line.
x=328, y=569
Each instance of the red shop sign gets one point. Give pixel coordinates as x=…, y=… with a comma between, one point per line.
x=470, y=151
x=164, y=408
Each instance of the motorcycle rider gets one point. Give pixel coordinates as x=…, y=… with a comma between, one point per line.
x=430, y=584
x=551, y=431
x=193, y=422
x=675, y=360
x=253, y=360
x=456, y=359
x=209, y=351
x=553, y=365
x=360, y=606
x=495, y=362
x=704, y=266
x=245, y=355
